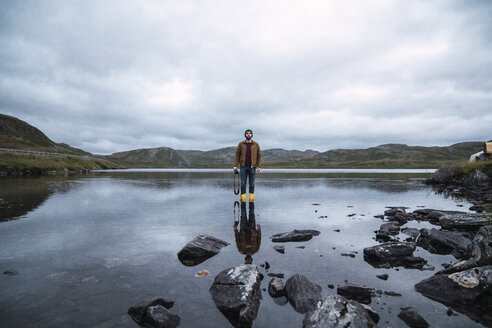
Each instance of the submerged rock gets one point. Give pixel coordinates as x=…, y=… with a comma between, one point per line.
x=390, y=228
x=280, y=249
x=200, y=249
x=445, y=242
x=412, y=318
x=468, y=291
x=295, y=235
x=302, y=293
x=357, y=293
x=337, y=311
x=236, y=293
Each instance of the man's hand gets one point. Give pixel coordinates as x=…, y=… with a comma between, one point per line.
x=258, y=169
x=235, y=169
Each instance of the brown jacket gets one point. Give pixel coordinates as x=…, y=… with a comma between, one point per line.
x=241, y=154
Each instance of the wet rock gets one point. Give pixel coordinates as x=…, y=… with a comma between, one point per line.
x=295, y=235
x=402, y=218
x=236, y=293
x=412, y=318
x=468, y=291
x=348, y=254
x=159, y=317
x=477, y=208
x=139, y=312
x=278, y=275
x=393, y=254
x=463, y=222
x=337, y=311
x=482, y=246
x=276, y=287
x=200, y=249
x=383, y=276
x=460, y=266
x=357, y=293
x=10, y=273
x=445, y=242
x=390, y=228
x=384, y=238
x=412, y=232
x=280, y=249
x=302, y=294
x=390, y=293
x=394, y=211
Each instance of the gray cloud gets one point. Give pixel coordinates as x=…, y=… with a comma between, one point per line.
x=109, y=76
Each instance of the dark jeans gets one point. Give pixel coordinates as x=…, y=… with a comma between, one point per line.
x=248, y=172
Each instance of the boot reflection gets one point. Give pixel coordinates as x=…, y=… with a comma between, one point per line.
x=248, y=238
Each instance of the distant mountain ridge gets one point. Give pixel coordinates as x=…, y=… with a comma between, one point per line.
x=18, y=134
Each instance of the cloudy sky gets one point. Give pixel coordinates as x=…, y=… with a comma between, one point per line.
x=109, y=76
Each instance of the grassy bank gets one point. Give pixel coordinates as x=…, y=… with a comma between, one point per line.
x=18, y=162
x=485, y=167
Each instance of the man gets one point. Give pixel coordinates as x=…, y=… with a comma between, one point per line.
x=248, y=158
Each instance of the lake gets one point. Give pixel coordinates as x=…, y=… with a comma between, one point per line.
x=85, y=248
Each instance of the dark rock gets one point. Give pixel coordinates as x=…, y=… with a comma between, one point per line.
x=445, y=242
x=383, y=276
x=394, y=211
x=390, y=293
x=296, y=235
x=337, y=311
x=331, y=286
x=384, y=238
x=200, y=249
x=390, y=228
x=463, y=222
x=280, y=249
x=276, y=287
x=379, y=216
x=301, y=247
x=267, y=265
x=140, y=313
x=477, y=208
x=278, y=275
x=412, y=318
x=10, y=273
x=476, y=179
x=393, y=254
x=402, y=218
x=348, y=254
x=337, y=230
x=159, y=317
x=357, y=293
x=468, y=291
x=412, y=232
x=460, y=266
x=236, y=293
x=482, y=246
x=302, y=294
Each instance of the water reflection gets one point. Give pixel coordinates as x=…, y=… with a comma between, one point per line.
x=248, y=237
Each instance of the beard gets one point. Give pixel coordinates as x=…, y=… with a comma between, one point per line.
x=248, y=137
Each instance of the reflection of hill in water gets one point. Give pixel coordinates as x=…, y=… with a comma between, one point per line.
x=20, y=195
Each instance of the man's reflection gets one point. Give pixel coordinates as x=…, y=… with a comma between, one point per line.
x=248, y=238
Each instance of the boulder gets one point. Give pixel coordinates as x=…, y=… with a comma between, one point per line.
x=200, y=249
x=445, y=242
x=393, y=254
x=339, y=312
x=460, y=266
x=357, y=293
x=295, y=235
x=154, y=313
x=482, y=246
x=394, y=211
x=468, y=291
x=411, y=317
x=236, y=293
x=302, y=294
x=476, y=179
x=276, y=287
x=412, y=232
x=402, y=218
x=160, y=317
x=391, y=228
x=463, y=222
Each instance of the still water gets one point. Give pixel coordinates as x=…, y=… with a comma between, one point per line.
x=86, y=248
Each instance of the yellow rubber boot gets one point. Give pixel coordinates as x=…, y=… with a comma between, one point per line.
x=251, y=198
x=243, y=198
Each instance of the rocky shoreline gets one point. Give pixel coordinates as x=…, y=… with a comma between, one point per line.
x=37, y=172
x=464, y=287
